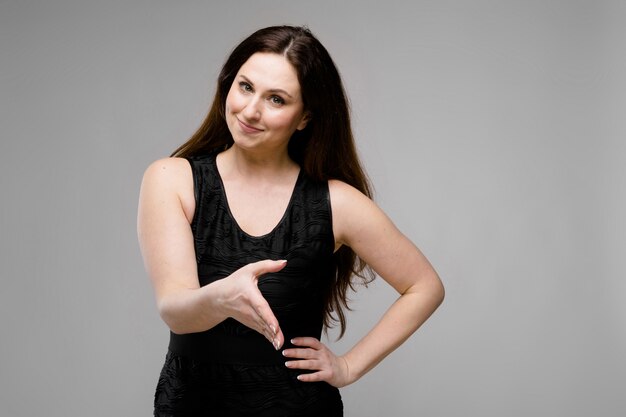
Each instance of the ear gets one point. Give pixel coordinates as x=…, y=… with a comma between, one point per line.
x=305, y=120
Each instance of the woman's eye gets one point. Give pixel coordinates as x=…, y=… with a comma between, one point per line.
x=245, y=86
x=277, y=100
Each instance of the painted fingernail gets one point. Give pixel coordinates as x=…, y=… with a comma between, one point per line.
x=287, y=364
x=275, y=343
x=273, y=328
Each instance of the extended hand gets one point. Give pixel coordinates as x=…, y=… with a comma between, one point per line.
x=313, y=355
x=242, y=300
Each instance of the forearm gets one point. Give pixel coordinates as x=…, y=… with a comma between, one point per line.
x=192, y=310
x=401, y=320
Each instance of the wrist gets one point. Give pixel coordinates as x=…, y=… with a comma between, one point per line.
x=349, y=376
x=352, y=369
x=215, y=300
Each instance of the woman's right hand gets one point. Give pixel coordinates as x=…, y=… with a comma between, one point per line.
x=241, y=299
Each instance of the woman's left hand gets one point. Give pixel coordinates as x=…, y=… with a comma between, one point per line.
x=313, y=355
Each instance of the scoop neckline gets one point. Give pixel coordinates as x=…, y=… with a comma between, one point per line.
x=230, y=213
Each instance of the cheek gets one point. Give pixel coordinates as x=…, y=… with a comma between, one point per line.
x=294, y=121
x=232, y=104
x=281, y=120
x=276, y=122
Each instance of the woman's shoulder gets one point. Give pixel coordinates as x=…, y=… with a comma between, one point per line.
x=342, y=192
x=168, y=171
x=347, y=201
x=356, y=217
x=170, y=178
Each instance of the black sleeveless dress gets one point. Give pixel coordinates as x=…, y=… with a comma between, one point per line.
x=231, y=370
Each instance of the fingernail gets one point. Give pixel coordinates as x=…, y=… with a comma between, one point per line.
x=273, y=329
x=275, y=343
x=283, y=261
x=287, y=364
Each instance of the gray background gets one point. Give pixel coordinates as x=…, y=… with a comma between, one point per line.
x=493, y=132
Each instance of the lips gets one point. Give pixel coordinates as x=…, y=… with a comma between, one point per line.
x=247, y=128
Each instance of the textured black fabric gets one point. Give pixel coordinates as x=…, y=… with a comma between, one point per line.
x=192, y=388
x=231, y=370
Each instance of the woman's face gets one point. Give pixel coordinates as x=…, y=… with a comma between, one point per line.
x=264, y=105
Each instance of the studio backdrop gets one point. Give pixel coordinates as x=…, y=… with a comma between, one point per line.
x=493, y=132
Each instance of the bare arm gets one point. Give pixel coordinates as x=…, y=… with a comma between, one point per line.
x=360, y=224
x=166, y=208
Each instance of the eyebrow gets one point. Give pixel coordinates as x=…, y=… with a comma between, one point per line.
x=273, y=90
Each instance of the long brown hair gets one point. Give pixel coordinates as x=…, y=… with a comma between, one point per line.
x=324, y=149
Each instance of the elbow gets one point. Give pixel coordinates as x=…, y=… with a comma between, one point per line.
x=186, y=312
x=172, y=319
x=176, y=326
x=430, y=292
x=439, y=291
x=436, y=289
x=433, y=289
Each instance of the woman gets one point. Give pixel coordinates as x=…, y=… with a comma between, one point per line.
x=253, y=232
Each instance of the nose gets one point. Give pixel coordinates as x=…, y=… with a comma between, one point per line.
x=252, y=111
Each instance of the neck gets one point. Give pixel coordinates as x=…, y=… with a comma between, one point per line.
x=257, y=165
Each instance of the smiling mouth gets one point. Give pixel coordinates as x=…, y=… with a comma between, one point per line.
x=247, y=128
